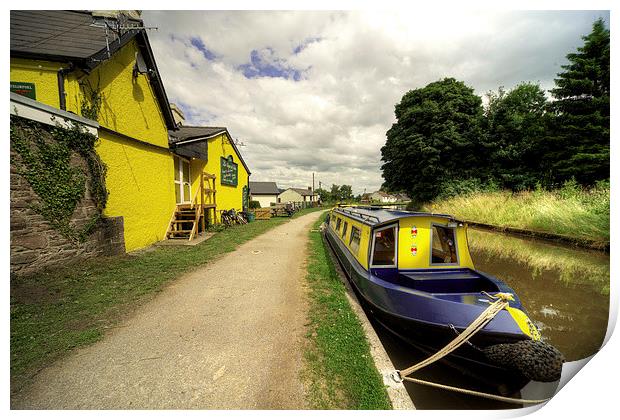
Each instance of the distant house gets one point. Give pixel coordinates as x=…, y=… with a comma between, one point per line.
x=298, y=195
x=383, y=197
x=264, y=192
x=402, y=197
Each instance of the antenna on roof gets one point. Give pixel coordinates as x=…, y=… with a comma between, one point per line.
x=238, y=142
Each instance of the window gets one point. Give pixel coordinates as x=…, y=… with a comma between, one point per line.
x=384, y=247
x=443, y=245
x=344, y=229
x=354, y=242
x=338, y=223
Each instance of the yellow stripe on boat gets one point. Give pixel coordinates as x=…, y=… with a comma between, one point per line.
x=524, y=323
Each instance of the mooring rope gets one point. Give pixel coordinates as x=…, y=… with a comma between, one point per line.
x=483, y=319
x=475, y=393
x=501, y=302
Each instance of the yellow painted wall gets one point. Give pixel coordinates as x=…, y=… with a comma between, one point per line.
x=423, y=243
x=129, y=106
x=362, y=253
x=44, y=75
x=140, y=179
x=227, y=197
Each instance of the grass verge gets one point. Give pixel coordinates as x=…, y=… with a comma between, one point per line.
x=340, y=371
x=569, y=211
x=57, y=310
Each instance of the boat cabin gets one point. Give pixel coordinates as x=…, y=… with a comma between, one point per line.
x=402, y=240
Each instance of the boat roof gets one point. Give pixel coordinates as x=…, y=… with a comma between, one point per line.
x=374, y=216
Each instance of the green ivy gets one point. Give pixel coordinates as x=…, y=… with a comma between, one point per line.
x=46, y=155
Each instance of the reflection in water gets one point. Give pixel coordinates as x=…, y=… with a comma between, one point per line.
x=565, y=290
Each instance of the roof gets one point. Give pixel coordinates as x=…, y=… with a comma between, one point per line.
x=188, y=133
x=374, y=216
x=192, y=133
x=302, y=191
x=264, y=188
x=83, y=41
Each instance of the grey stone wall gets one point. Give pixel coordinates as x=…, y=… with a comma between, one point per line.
x=35, y=245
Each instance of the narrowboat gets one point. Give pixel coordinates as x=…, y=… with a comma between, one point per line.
x=414, y=273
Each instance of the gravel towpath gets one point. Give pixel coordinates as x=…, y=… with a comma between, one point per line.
x=226, y=336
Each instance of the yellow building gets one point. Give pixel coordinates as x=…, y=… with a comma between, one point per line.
x=101, y=66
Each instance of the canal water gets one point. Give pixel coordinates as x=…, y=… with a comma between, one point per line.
x=564, y=289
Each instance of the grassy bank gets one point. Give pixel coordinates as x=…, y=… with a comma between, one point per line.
x=57, y=310
x=569, y=211
x=339, y=368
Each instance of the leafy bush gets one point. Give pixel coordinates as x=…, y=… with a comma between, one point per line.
x=254, y=204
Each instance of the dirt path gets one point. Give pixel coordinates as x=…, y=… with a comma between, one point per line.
x=227, y=336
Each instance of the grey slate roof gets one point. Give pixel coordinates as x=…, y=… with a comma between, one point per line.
x=185, y=133
x=58, y=33
x=303, y=191
x=264, y=188
x=73, y=36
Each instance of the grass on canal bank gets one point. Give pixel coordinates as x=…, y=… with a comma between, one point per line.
x=339, y=368
x=569, y=211
x=57, y=310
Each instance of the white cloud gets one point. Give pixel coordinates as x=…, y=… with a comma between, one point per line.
x=352, y=69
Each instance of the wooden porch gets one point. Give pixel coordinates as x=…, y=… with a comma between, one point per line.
x=189, y=219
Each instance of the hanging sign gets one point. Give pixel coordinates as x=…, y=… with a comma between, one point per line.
x=228, y=171
x=24, y=89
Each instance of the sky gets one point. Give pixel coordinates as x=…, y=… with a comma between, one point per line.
x=308, y=92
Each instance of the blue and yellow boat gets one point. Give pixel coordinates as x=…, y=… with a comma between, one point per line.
x=414, y=273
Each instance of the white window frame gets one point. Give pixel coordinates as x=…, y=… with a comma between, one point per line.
x=372, y=249
x=184, y=200
x=456, y=245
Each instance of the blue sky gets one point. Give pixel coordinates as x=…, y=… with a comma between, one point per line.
x=315, y=91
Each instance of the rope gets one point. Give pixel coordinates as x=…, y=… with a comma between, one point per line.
x=501, y=302
x=476, y=393
x=479, y=323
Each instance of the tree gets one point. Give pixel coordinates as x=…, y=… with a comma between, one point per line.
x=346, y=193
x=578, y=145
x=334, y=193
x=436, y=138
x=323, y=194
x=515, y=129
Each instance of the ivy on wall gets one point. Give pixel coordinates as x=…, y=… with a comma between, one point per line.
x=46, y=162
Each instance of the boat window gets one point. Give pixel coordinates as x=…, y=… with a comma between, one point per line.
x=338, y=223
x=344, y=229
x=354, y=242
x=443, y=244
x=384, y=247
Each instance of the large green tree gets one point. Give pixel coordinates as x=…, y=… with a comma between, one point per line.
x=515, y=129
x=436, y=138
x=578, y=145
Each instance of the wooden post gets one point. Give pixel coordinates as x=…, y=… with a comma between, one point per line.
x=202, y=201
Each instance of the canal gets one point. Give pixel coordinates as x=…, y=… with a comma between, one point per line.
x=564, y=289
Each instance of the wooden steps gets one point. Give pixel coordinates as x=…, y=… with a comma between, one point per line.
x=190, y=218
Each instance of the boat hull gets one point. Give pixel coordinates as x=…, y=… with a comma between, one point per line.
x=429, y=324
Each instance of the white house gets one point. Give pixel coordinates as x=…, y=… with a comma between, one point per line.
x=298, y=195
x=265, y=193
x=383, y=197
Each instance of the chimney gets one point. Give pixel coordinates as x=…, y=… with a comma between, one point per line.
x=178, y=115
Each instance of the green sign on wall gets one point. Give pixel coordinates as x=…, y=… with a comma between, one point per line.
x=24, y=89
x=229, y=171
